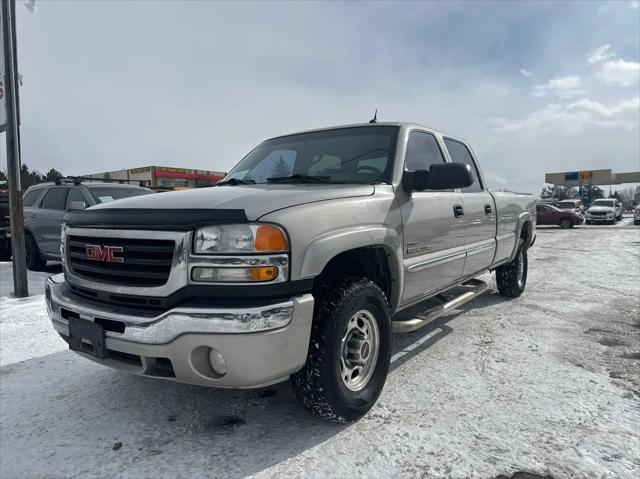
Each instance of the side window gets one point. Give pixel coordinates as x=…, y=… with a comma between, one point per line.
x=31, y=197
x=422, y=151
x=54, y=198
x=75, y=195
x=460, y=154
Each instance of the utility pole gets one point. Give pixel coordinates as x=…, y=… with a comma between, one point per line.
x=20, y=285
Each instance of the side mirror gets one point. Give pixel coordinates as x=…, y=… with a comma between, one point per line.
x=77, y=205
x=440, y=176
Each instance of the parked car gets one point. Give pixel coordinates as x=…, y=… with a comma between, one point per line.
x=551, y=215
x=5, y=226
x=45, y=205
x=571, y=205
x=636, y=215
x=604, y=210
x=294, y=265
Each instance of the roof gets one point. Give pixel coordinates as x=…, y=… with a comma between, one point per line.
x=381, y=123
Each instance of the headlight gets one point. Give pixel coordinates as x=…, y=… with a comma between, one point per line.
x=240, y=238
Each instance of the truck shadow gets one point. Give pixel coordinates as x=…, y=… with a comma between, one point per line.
x=127, y=425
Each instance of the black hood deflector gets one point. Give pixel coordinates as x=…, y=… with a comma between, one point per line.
x=152, y=219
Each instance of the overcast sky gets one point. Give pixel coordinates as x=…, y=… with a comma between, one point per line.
x=535, y=87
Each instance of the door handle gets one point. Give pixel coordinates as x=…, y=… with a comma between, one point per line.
x=487, y=209
x=458, y=211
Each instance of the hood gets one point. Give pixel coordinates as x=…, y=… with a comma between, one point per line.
x=602, y=209
x=255, y=200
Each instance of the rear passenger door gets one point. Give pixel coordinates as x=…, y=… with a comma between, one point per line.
x=47, y=223
x=433, y=234
x=479, y=213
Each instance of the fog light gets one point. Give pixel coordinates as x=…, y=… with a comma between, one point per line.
x=234, y=275
x=218, y=364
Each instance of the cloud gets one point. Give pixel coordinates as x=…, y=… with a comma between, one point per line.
x=525, y=72
x=563, y=87
x=572, y=118
x=600, y=54
x=620, y=72
x=634, y=4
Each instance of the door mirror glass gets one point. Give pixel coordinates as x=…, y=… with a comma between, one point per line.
x=76, y=205
x=440, y=176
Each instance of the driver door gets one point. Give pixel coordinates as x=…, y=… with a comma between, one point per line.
x=433, y=224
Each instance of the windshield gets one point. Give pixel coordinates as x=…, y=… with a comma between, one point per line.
x=348, y=155
x=105, y=194
x=608, y=203
x=566, y=205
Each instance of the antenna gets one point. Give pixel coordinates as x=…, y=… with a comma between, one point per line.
x=375, y=117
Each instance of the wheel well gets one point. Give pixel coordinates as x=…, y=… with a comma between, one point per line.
x=525, y=232
x=371, y=263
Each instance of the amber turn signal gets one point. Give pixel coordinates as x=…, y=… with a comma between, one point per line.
x=264, y=273
x=270, y=238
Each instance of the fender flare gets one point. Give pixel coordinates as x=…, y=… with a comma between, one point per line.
x=319, y=252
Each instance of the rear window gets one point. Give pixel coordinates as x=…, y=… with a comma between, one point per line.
x=104, y=194
x=30, y=197
x=54, y=198
x=566, y=205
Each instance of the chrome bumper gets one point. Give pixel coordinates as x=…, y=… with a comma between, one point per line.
x=259, y=345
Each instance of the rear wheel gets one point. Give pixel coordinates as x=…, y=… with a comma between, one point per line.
x=349, y=352
x=512, y=277
x=34, y=259
x=565, y=223
x=5, y=249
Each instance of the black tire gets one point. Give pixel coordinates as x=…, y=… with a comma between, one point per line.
x=565, y=223
x=588, y=222
x=5, y=249
x=34, y=258
x=636, y=222
x=507, y=275
x=320, y=386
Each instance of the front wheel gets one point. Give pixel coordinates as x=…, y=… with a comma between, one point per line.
x=565, y=223
x=512, y=277
x=349, y=352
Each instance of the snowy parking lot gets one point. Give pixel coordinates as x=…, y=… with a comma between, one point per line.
x=548, y=383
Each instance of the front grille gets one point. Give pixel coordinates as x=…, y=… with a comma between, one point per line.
x=598, y=213
x=147, y=262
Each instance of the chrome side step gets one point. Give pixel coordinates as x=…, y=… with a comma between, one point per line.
x=477, y=287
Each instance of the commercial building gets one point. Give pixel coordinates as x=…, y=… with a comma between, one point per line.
x=163, y=177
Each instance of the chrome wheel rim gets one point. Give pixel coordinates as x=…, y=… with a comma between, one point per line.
x=520, y=269
x=359, y=350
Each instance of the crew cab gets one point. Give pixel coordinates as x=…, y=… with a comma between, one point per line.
x=551, y=215
x=605, y=210
x=45, y=204
x=297, y=265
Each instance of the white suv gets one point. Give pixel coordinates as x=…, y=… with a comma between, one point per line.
x=607, y=210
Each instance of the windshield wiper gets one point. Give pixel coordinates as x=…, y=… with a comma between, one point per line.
x=301, y=178
x=236, y=181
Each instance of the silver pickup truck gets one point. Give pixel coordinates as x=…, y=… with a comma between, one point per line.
x=297, y=265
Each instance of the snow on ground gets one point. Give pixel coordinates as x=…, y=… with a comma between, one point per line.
x=547, y=383
x=24, y=324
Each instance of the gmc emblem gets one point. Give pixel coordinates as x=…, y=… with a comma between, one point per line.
x=103, y=253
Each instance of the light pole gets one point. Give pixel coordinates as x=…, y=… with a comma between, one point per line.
x=10, y=86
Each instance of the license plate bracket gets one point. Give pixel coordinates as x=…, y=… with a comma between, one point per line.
x=87, y=337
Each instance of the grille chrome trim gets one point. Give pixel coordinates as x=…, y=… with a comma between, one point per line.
x=178, y=273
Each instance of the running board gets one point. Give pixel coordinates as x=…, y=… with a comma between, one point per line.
x=477, y=288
